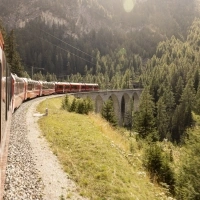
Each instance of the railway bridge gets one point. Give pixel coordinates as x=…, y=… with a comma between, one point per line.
x=121, y=100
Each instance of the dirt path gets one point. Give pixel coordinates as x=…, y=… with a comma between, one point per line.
x=57, y=183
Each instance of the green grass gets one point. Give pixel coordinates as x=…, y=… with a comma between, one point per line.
x=95, y=156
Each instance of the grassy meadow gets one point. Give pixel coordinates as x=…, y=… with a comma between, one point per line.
x=105, y=163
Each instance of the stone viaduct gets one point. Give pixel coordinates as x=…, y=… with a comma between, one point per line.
x=121, y=100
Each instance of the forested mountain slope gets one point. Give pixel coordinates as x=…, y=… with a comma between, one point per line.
x=97, y=27
x=171, y=77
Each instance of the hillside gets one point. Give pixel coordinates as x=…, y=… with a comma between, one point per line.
x=105, y=163
x=93, y=26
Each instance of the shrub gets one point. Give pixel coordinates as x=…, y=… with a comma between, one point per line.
x=108, y=112
x=158, y=164
x=81, y=106
x=65, y=103
x=73, y=106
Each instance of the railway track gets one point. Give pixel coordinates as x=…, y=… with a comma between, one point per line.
x=33, y=171
x=22, y=178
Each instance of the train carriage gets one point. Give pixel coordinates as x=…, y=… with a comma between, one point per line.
x=47, y=88
x=62, y=87
x=19, y=93
x=75, y=87
x=33, y=88
x=5, y=118
x=85, y=87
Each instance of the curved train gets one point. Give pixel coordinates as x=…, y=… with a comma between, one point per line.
x=14, y=91
x=23, y=89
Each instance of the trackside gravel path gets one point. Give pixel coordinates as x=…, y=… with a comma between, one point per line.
x=33, y=171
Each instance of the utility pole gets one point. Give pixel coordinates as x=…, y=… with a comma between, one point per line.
x=35, y=68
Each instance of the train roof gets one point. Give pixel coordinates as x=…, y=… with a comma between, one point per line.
x=16, y=78
x=28, y=80
x=62, y=83
x=76, y=83
x=91, y=84
x=48, y=83
x=71, y=83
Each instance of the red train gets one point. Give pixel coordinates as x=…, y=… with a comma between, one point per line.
x=16, y=90
x=23, y=89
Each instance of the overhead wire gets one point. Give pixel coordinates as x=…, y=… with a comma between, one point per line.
x=62, y=47
x=68, y=51
x=67, y=43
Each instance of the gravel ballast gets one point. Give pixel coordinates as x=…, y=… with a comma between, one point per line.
x=33, y=171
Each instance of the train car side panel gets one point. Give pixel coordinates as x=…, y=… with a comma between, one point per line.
x=48, y=88
x=33, y=89
x=62, y=87
x=5, y=118
x=18, y=85
x=75, y=87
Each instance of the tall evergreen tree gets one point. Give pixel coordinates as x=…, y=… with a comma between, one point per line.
x=197, y=102
x=187, y=184
x=162, y=119
x=108, y=112
x=13, y=57
x=182, y=118
x=179, y=90
x=158, y=164
x=196, y=80
x=145, y=121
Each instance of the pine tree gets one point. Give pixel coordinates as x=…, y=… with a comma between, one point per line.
x=13, y=57
x=162, y=119
x=197, y=102
x=187, y=102
x=145, y=121
x=179, y=90
x=158, y=164
x=73, y=106
x=65, y=103
x=80, y=106
x=187, y=183
x=108, y=112
x=182, y=118
x=88, y=105
x=196, y=80
x=169, y=101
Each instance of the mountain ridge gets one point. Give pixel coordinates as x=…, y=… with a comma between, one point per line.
x=94, y=25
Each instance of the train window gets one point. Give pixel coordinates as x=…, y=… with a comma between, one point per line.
x=37, y=87
x=21, y=85
x=52, y=86
x=44, y=86
x=30, y=86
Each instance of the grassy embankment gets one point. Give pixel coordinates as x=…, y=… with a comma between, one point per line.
x=97, y=157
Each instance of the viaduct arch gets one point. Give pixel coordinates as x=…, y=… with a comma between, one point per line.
x=122, y=101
